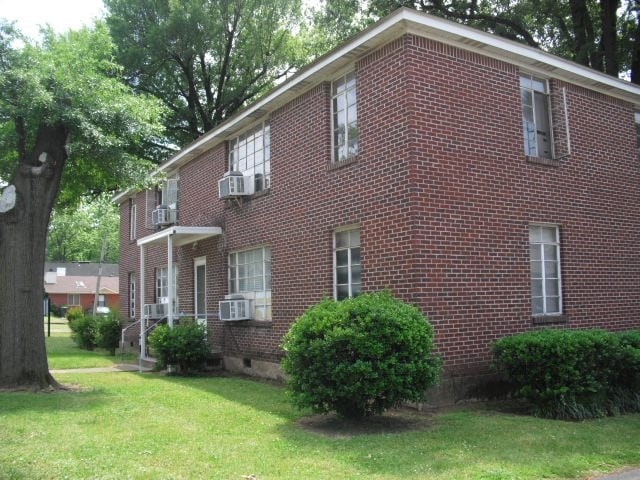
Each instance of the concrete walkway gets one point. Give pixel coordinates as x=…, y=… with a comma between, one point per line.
x=123, y=367
x=623, y=475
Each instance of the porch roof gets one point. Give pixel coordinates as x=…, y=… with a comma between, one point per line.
x=181, y=235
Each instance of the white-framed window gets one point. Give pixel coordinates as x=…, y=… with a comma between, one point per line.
x=546, y=285
x=132, y=219
x=346, y=263
x=250, y=275
x=102, y=302
x=73, y=299
x=132, y=295
x=637, y=119
x=536, y=118
x=162, y=285
x=200, y=289
x=344, y=117
x=250, y=154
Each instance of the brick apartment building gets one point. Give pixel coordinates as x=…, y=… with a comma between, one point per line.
x=493, y=185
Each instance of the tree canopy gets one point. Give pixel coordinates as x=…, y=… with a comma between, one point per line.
x=601, y=34
x=78, y=233
x=204, y=59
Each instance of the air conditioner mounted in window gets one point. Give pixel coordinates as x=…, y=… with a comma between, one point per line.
x=234, y=184
x=164, y=215
x=155, y=311
x=234, y=308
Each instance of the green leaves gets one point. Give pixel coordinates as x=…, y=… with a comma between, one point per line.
x=573, y=374
x=359, y=356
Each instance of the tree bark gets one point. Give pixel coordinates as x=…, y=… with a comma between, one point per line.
x=23, y=234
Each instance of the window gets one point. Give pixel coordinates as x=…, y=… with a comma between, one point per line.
x=73, y=299
x=536, y=124
x=132, y=220
x=637, y=116
x=162, y=286
x=132, y=295
x=346, y=260
x=101, y=301
x=546, y=289
x=345, y=118
x=250, y=153
x=250, y=275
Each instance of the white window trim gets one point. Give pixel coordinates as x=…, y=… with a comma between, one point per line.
x=341, y=76
x=547, y=95
x=201, y=317
x=557, y=243
x=73, y=296
x=234, y=283
x=232, y=147
x=132, y=295
x=132, y=219
x=335, y=261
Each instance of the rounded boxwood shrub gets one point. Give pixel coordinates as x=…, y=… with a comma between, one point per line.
x=359, y=356
x=184, y=345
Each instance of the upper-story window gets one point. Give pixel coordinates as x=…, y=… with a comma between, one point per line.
x=638, y=129
x=132, y=219
x=250, y=153
x=165, y=211
x=345, y=117
x=536, y=123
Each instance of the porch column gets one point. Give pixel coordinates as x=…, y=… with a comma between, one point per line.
x=143, y=321
x=170, y=279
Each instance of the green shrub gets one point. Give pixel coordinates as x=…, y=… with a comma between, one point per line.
x=184, y=345
x=108, y=332
x=74, y=313
x=360, y=356
x=83, y=331
x=570, y=374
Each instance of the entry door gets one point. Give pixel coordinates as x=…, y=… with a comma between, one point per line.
x=200, y=288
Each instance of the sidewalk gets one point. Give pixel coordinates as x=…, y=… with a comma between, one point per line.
x=623, y=475
x=123, y=367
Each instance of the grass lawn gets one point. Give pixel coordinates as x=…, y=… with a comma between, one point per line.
x=63, y=353
x=149, y=426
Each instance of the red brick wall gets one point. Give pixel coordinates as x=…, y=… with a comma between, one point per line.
x=443, y=195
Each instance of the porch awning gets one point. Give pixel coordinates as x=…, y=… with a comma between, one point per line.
x=180, y=235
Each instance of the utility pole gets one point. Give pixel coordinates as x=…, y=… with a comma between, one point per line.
x=97, y=295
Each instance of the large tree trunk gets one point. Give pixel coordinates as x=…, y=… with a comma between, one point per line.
x=23, y=234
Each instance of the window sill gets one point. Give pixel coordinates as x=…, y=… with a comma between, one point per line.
x=550, y=162
x=343, y=163
x=548, y=319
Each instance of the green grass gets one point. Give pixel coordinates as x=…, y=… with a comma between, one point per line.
x=149, y=426
x=63, y=354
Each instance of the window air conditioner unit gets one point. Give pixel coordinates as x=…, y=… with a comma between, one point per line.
x=234, y=184
x=234, y=308
x=164, y=215
x=156, y=311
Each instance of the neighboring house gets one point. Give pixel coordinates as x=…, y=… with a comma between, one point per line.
x=493, y=185
x=74, y=285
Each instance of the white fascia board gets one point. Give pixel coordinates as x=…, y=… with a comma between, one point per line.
x=183, y=235
x=400, y=22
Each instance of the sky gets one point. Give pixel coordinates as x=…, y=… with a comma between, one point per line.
x=62, y=15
